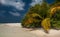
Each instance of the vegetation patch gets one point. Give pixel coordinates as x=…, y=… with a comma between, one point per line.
x=45, y=15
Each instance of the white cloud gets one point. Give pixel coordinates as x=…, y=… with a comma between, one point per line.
x=15, y=14
x=19, y=4
x=36, y=2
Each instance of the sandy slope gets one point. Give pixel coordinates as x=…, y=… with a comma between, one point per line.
x=15, y=30
x=52, y=33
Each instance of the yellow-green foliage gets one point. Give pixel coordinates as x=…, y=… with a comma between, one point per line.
x=46, y=24
x=41, y=15
x=31, y=19
x=35, y=15
x=55, y=19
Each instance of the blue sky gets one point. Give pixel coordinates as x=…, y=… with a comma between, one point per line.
x=14, y=10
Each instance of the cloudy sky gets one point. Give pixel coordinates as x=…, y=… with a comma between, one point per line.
x=14, y=10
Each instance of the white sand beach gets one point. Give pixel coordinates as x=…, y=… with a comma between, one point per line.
x=15, y=30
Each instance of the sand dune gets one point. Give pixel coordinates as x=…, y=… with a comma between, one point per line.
x=52, y=33
x=11, y=24
x=15, y=30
